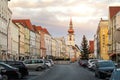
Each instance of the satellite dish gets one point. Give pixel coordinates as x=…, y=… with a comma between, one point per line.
x=116, y=35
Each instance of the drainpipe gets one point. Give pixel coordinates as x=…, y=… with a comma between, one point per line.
x=7, y=38
x=19, y=47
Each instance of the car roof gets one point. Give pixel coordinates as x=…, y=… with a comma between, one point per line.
x=93, y=59
x=104, y=60
x=4, y=64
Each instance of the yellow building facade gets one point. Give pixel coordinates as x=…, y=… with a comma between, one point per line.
x=103, y=39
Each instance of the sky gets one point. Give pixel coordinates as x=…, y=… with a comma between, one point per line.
x=55, y=15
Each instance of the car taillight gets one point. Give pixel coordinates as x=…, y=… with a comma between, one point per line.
x=14, y=71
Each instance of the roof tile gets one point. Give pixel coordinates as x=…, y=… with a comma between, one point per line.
x=113, y=10
x=25, y=22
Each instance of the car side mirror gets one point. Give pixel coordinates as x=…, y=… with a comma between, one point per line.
x=116, y=65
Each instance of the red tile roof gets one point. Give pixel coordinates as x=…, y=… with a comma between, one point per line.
x=42, y=29
x=39, y=28
x=25, y=22
x=113, y=10
x=46, y=31
x=35, y=29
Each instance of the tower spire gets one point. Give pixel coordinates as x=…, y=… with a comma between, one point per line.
x=71, y=27
x=70, y=21
x=71, y=39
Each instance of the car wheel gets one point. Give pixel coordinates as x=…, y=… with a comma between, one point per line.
x=4, y=77
x=99, y=76
x=39, y=69
x=48, y=66
x=96, y=75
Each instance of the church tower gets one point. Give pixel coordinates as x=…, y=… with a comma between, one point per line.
x=70, y=36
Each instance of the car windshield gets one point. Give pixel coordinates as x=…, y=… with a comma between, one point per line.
x=106, y=64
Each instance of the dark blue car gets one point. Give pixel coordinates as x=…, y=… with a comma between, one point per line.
x=104, y=68
x=115, y=75
x=9, y=72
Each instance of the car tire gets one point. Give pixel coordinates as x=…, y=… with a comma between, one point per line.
x=39, y=69
x=99, y=76
x=47, y=66
x=4, y=77
x=96, y=75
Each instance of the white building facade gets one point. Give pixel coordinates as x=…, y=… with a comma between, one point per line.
x=114, y=47
x=37, y=44
x=5, y=16
x=48, y=45
x=32, y=44
x=95, y=46
x=54, y=47
x=14, y=41
x=59, y=47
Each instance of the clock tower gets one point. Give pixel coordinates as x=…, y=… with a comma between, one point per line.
x=70, y=36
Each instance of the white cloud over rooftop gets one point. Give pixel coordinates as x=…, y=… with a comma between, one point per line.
x=55, y=14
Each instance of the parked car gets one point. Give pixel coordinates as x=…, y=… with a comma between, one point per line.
x=91, y=64
x=4, y=77
x=48, y=63
x=115, y=75
x=1, y=77
x=8, y=72
x=83, y=63
x=20, y=65
x=51, y=61
x=104, y=68
x=35, y=64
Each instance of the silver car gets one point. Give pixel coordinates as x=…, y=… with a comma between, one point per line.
x=35, y=64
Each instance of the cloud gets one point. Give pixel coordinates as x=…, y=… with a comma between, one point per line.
x=55, y=14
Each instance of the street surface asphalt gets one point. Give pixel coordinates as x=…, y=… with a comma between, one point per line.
x=70, y=71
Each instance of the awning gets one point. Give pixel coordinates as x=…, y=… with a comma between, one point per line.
x=111, y=54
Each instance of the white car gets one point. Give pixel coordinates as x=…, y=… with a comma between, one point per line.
x=51, y=61
x=35, y=64
x=48, y=63
x=91, y=63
